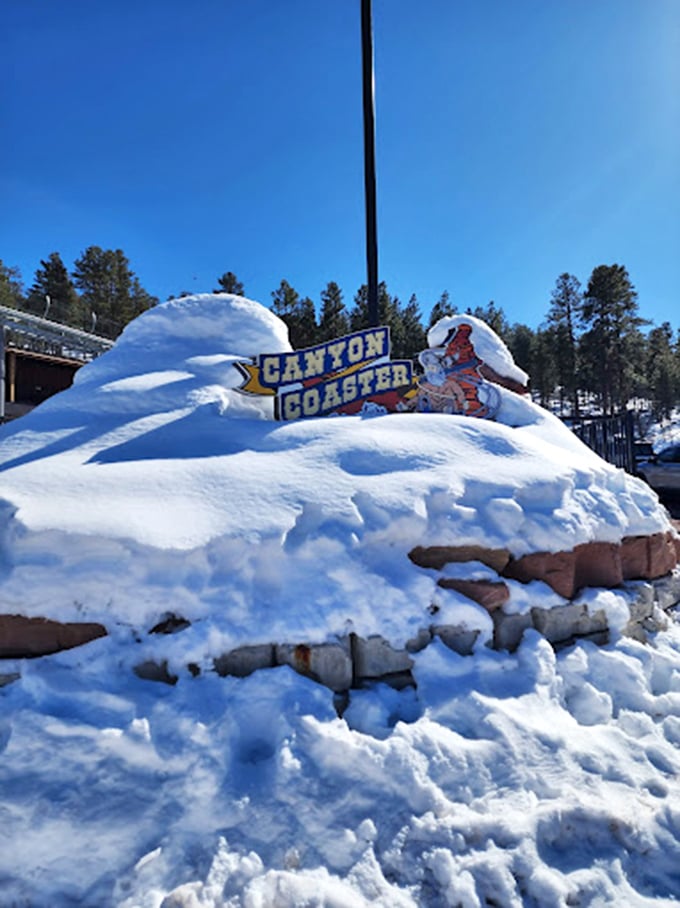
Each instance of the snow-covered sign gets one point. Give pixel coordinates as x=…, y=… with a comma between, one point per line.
x=339, y=376
x=355, y=373
x=452, y=382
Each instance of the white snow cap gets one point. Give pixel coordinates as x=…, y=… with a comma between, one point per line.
x=488, y=345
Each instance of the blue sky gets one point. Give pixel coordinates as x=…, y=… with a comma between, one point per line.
x=516, y=139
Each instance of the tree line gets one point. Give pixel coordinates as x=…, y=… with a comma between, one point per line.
x=590, y=349
x=101, y=294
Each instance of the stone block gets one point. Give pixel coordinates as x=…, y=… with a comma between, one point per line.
x=155, y=671
x=436, y=556
x=635, y=558
x=599, y=638
x=598, y=564
x=172, y=624
x=245, y=660
x=595, y=564
x=662, y=554
x=491, y=595
x=374, y=658
x=399, y=681
x=460, y=639
x=422, y=639
x=8, y=678
x=567, y=621
x=657, y=621
x=636, y=631
x=328, y=663
x=557, y=569
x=508, y=630
x=643, y=605
x=667, y=591
x=22, y=637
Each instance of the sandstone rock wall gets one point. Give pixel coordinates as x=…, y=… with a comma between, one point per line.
x=645, y=566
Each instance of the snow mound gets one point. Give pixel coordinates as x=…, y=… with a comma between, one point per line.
x=154, y=486
x=154, y=481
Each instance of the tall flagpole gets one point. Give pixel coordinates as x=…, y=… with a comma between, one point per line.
x=369, y=161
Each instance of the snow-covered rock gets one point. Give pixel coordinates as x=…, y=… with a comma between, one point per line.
x=153, y=495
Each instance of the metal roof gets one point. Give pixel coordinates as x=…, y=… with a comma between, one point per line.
x=71, y=343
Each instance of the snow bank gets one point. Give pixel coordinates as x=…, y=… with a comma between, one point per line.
x=528, y=779
x=153, y=485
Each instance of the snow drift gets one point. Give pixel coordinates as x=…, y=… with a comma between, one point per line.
x=153, y=487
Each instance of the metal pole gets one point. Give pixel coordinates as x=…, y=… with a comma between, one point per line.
x=369, y=161
x=2, y=373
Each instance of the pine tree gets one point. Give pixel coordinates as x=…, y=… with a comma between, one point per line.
x=662, y=371
x=413, y=334
x=11, y=289
x=565, y=308
x=110, y=292
x=306, y=331
x=334, y=321
x=522, y=344
x=611, y=346
x=229, y=283
x=53, y=294
x=298, y=314
x=387, y=309
x=441, y=309
x=544, y=372
x=389, y=313
x=494, y=317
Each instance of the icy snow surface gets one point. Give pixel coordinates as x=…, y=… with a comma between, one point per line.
x=153, y=486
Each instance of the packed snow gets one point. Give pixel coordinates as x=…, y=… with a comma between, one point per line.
x=153, y=487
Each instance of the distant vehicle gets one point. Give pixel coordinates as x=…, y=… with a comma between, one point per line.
x=662, y=470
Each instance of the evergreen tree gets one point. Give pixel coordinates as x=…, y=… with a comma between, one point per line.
x=414, y=335
x=53, y=294
x=563, y=315
x=389, y=313
x=522, y=342
x=494, y=317
x=544, y=372
x=611, y=346
x=441, y=308
x=307, y=330
x=298, y=314
x=110, y=292
x=334, y=320
x=11, y=289
x=140, y=299
x=662, y=371
x=229, y=283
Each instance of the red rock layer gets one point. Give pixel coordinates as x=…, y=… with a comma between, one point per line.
x=594, y=564
x=22, y=637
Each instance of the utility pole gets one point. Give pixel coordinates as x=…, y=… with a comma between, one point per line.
x=2, y=373
x=369, y=161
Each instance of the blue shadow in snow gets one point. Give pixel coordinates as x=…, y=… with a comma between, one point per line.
x=200, y=434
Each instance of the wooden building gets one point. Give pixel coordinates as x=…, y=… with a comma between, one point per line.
x=38, y=358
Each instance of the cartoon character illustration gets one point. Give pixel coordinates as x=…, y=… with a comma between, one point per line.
x=452, y=382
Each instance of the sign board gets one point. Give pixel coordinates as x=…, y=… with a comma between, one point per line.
x=355, y=374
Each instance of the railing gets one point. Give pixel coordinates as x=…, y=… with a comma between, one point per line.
x=25, y=331
x=612, y=437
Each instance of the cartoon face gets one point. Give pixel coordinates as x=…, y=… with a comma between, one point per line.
x=433, y=367
x=452, y=382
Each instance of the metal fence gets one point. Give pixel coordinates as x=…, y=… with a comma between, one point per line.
x=612, y=437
